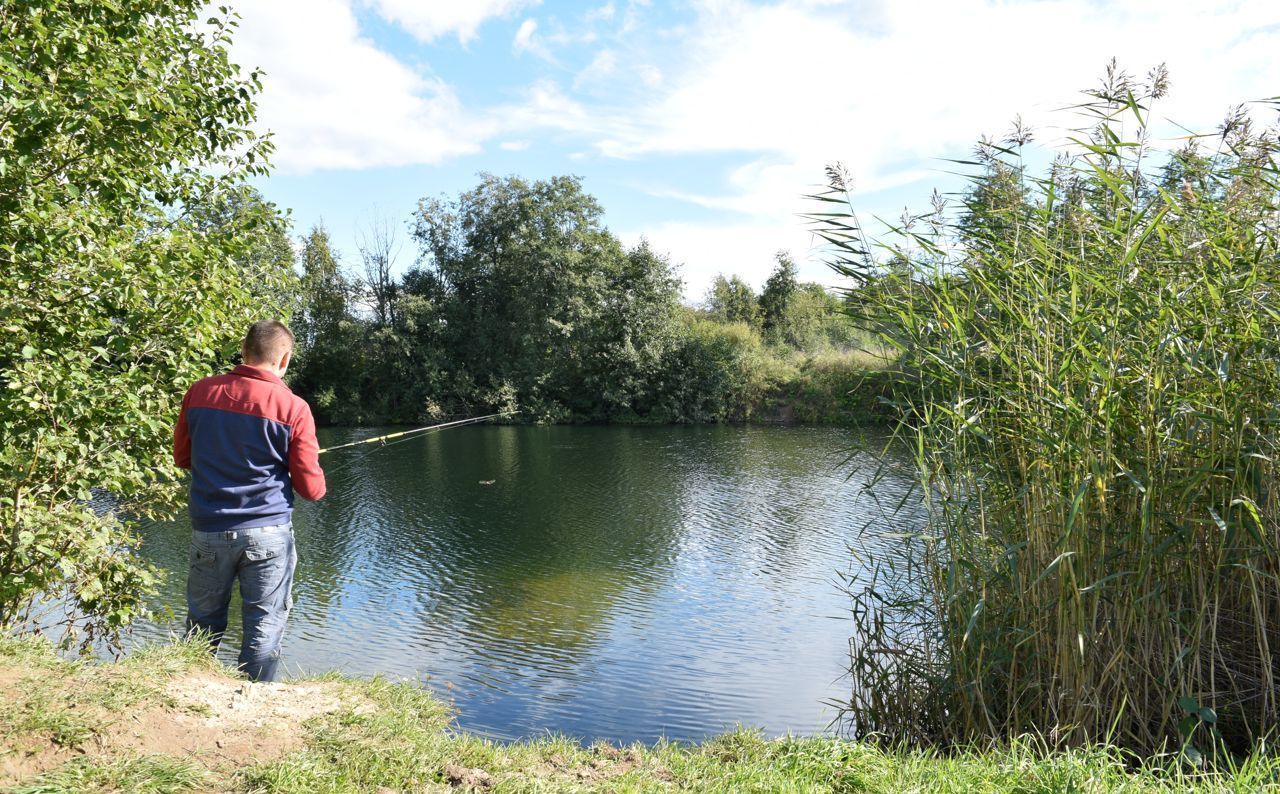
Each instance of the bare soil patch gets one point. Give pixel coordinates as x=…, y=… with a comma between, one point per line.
x=21, y=760
x=223, y=722
x=610, y=762
x=216, y=721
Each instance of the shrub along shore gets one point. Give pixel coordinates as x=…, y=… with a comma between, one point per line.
x=521, y=298
x=170, y=719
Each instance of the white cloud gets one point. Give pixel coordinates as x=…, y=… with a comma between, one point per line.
x=650, y=75
x=525, y=35
x=631, y=19
x=545, y=106
x=800, y=79
x=777, y=188
x=601, y=14
x=889, y=88
x=528, y=40
x=785, y=86
x=513, y=146
x=335, y=101
x=428, y=20
x=597, y=73
x=701, y=251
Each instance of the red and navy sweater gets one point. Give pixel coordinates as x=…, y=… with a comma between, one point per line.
x=249, y=443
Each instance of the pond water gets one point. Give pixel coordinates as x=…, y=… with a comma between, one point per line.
x=619, y=583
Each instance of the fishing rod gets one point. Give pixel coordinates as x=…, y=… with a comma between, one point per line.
x=389, y=436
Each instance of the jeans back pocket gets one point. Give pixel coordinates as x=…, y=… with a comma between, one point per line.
x=260, y=553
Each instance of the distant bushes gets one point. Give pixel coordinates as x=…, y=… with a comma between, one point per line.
x=838, y=388
x=716, y=372
x=523, y=300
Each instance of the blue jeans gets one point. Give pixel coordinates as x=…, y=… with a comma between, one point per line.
x=263, y=558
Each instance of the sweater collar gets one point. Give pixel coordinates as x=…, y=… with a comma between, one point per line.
x=244, y=370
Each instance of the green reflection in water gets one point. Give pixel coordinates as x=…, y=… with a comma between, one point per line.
x=615, y=582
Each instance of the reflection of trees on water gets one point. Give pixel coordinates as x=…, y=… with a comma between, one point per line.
x=526, y=544
x=528, y=536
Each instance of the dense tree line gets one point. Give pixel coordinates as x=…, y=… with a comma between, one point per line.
x=521, y=298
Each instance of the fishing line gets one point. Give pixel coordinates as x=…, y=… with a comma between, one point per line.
x=388, y=436
x=345, y=467
x=382, y=441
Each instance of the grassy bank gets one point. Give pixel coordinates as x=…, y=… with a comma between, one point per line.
x=832, y=388
x=170, y=719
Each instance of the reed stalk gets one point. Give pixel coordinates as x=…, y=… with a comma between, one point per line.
x=1094, y=397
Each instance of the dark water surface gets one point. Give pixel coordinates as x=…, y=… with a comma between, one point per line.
x=601, y=582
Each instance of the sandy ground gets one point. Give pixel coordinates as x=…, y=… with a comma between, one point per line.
x=52, y=714
x=234, y=722
x=218, y=722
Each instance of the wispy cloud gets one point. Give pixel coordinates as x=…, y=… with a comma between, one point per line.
x=808, y=77
x=889, y=89
x=428, y=20
x=599, y=72
x=528, y=40
x=776, y=90
x=525, y=35
x=335, y=100
x=601, y=13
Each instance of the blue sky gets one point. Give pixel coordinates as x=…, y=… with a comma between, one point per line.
x=700, y=125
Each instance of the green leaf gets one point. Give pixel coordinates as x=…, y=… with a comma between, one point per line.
x=1187, y=726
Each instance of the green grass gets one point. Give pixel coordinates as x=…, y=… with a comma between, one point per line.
x=146, y=774
x=397, y=737
x=834, y=388
x=67, y=702
x=403, y=746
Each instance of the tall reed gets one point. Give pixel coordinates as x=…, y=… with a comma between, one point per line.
x=1094, y=396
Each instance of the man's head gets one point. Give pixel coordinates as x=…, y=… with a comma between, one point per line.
x=268, y=345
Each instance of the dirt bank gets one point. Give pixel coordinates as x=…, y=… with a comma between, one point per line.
x=57, y=712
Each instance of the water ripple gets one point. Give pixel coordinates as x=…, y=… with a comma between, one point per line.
x=616, y=583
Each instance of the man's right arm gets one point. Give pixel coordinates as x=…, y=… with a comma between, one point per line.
x=304, y=458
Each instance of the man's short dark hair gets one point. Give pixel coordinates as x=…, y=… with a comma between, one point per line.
x=267, y=341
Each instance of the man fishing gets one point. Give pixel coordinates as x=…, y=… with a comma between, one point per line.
x=250, y=444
